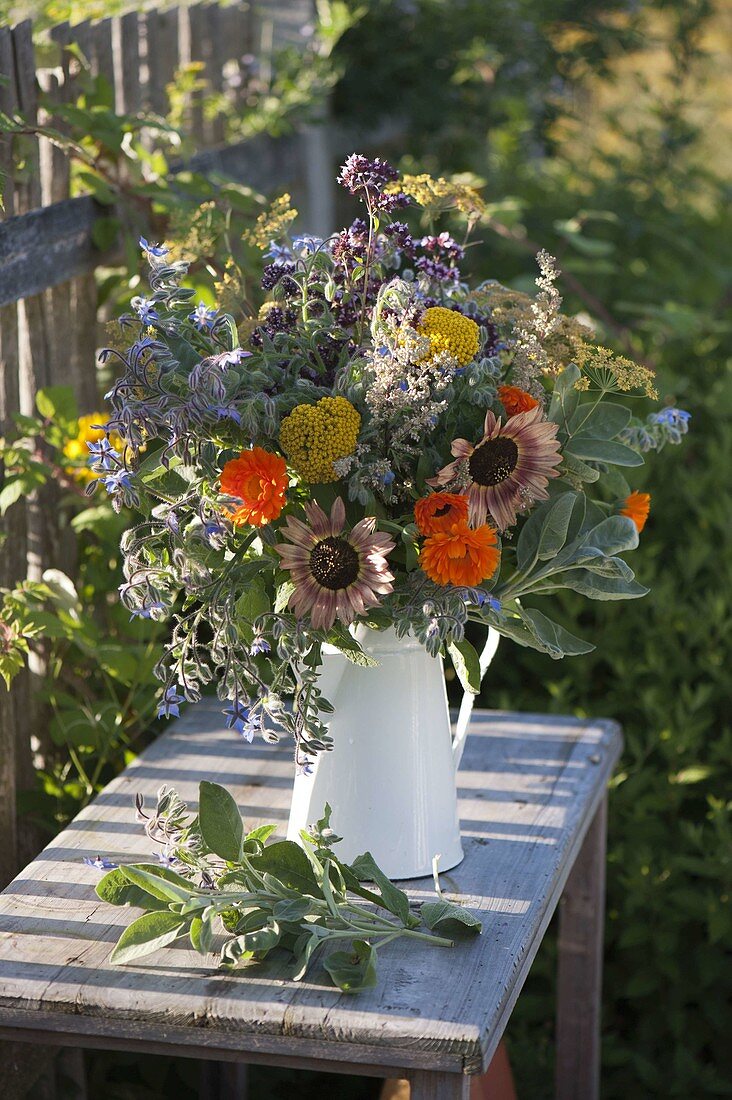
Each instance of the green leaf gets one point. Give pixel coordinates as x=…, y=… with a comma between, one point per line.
x=349, y=647
x=602, y=450
x=100, y=519
x=287, y=862
x=165, y=484
x=291, y=910
x=616, y=484
x=258, y=942
x=252, y=603
x=597, y=587
x=261, y=834
x=597, y=562
x=555, y=526
x=394, y=899
x=220, y=821
x=161, y=882
x=57, y=403
x=579, y=468
x=12, y=492
x=555, y=640
x=466, y=664
x=182, y=351
x=612, y=535
x=445, y=916
x=355, y=970
x=202, y=934
x=116, y=889
x=148, y=933
x=546, y=530
x=305, y=948
x=565, y=397
x=603, y=421
x=282, y=596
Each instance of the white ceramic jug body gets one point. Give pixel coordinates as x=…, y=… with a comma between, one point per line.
x=390, y=778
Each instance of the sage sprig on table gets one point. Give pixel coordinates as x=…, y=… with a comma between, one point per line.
x=266, y=895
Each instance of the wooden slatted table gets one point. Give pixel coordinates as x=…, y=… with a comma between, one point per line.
x=532, y=802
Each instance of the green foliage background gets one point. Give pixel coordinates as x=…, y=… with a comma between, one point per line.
x=601, y=130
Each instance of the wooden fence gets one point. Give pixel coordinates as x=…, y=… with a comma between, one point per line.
x=48, y=298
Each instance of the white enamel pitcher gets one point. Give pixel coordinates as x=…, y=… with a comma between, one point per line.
x=391, y=776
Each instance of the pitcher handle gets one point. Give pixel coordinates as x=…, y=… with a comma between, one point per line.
x=466, y=706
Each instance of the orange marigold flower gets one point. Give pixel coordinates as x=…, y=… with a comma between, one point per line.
x=259, y=479
x=462, y=556
x=515, y=400
x=438, y=512
x=636, y=507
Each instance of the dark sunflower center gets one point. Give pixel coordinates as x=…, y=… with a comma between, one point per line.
x=493, y=461
x=442, y=510
x=334, y=563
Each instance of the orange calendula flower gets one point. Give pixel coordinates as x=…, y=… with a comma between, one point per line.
x=439, y=511
x=259, y=479
x=515, y=400
x=463, y=556
x=636, y=507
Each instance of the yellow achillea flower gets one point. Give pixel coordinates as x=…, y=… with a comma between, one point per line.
x=314, y=436
x=271, y=223
x=76, y=449
x=437, y=195
x=451, y=332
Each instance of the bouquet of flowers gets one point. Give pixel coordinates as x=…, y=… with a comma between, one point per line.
x=378, y=443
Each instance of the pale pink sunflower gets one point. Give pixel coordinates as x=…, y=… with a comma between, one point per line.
x=507, y=470
x=336, y=575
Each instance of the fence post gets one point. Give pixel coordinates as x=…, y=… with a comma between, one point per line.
x=12, y=560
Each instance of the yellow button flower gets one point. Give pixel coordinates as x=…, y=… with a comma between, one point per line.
x=451, y=332
x=314, y=436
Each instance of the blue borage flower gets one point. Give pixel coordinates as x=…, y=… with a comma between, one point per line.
x=153, y=251
x=203, y=317
x=672, y=416
x=232, y=358
x=166, y=858
x=240, y=718
x=100, y=863
x=669, y=425
x=120, y=487
x=259, y=645
x=215, y=534
x=169, y=706
x=307, y=244
x=154, y=610
x=145, y=310
x=279, y=254
x=225, y=412
x=102, y=456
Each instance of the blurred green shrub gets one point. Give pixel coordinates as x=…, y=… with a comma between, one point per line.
x=101, y=691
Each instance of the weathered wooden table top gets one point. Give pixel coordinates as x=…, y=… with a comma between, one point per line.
x=528, y=786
